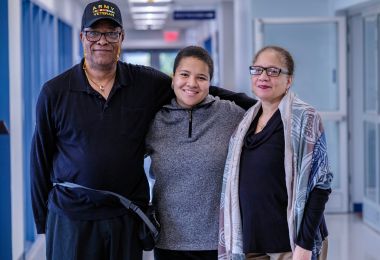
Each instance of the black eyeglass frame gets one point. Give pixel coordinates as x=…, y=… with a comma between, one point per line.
x=106, y=35
x=251, y=68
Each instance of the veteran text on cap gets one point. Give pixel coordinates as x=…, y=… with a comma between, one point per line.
x=100, y=10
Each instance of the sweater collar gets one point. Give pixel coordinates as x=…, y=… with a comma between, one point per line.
x=206, y=102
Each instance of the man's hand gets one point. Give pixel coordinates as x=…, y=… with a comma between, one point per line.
x=301, y=254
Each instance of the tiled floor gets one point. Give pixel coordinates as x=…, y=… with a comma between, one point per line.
x=349, y=239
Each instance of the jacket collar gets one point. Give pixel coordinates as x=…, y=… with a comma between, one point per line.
x=174, y=105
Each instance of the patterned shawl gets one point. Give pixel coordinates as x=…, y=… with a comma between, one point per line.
x=306, y=167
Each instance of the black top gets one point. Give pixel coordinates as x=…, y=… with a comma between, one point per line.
x=263, y=209
x=263, y=196
x=83, y=138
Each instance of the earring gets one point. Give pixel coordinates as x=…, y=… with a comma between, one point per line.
x=286, y=91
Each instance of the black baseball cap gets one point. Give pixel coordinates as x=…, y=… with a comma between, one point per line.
x=100, y=10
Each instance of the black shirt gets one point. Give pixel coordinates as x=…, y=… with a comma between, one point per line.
x=262, y=189
x=263, y=196
x=83, y=138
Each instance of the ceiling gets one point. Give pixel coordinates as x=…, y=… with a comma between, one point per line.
x=169, y=23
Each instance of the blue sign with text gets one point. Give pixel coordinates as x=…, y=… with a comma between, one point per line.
x=193, y=15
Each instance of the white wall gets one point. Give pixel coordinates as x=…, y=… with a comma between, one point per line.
x=16, y=126
x=226, y=44
x=344, y=4
x=152, y=39
x=289, y=8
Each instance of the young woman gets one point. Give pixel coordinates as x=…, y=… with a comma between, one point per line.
x=188, y=143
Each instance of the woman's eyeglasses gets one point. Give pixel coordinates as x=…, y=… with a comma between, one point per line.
x=271, y=71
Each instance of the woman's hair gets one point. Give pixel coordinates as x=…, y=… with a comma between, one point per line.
x=285, y=57
x=196, y=52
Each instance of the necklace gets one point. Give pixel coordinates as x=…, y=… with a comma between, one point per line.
x=100, y=86
x=261, y=126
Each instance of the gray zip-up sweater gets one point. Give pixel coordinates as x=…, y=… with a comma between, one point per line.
x=188, y=148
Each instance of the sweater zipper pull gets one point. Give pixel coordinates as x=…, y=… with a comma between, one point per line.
x=190, y=122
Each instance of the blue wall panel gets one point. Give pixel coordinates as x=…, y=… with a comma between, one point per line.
x=28, y=72
x=65, y=46
x=5, y=176
x=47, y=51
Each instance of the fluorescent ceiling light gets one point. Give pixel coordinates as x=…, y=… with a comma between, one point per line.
x=150, y=9
x=140, y=16
x=149, y=22
x=147, y=27
x=141, y=27
x=150, y=1
x=156, y=27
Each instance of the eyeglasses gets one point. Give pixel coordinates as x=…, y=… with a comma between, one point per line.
x=271, y=71
x=94, y=36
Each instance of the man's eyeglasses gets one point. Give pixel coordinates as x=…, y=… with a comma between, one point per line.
x=94, y=36
x=271, y=71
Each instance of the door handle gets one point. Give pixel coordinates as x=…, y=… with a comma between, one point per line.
x=3, y=128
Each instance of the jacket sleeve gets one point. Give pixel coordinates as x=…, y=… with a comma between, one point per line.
x=312, y=218
x=163, y=90
x=240, y=99
x=41, y=157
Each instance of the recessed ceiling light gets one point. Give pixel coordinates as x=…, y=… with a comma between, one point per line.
x=150, y=1
x=150, y=9
x=149, y=16
x=149, y=22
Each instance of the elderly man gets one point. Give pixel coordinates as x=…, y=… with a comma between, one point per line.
x=91, y=123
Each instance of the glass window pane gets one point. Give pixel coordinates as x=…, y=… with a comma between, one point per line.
x=315, y=56
x=370, y=64
x=167, y=61
x=370, y=158
x=332, y=140
x=140, y=58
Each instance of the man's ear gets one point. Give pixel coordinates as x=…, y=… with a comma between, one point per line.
x=122, y=36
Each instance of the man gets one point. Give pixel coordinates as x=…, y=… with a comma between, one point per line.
x=91, y=123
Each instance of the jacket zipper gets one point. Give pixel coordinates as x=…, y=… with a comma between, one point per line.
x=190, y=122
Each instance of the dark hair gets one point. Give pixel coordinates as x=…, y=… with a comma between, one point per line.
x=196, y=52
x=285, y=57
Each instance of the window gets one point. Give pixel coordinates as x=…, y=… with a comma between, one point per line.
x=162, y=60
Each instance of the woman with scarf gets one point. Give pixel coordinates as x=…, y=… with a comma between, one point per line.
x=277, y=179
